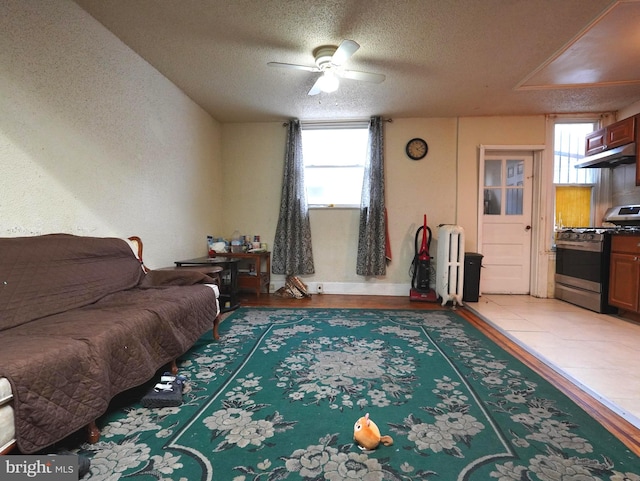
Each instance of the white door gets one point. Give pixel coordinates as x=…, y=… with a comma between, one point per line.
x=505, y=221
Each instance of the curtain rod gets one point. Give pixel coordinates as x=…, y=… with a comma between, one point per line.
x=336, y=122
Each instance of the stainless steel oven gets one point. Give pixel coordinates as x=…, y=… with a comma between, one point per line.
x=582, y=259
x=582, y=268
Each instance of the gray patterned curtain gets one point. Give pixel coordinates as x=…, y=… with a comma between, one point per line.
x=292, y=253
x=372, y=237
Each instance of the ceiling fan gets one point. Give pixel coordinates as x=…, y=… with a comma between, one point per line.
x=329, y=61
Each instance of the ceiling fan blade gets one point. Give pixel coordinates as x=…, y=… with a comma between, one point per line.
x=375, y=78
x=346, y=49
x=315, y=90
x=293, y=66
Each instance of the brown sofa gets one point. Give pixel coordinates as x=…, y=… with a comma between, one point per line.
x=82, y=320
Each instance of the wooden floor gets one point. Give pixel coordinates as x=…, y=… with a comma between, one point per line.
x=622, y=429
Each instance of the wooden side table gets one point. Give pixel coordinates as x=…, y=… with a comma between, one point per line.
x=256, y=278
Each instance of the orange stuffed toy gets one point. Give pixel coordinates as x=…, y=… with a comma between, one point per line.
x=367, y=435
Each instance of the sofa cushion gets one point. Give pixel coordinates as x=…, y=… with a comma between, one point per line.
x=45, y=275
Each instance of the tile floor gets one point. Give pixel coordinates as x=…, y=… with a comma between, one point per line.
x=598, y=352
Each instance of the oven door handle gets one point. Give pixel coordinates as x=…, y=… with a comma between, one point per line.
x=580, y=246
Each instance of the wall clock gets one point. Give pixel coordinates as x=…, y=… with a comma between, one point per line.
x=417, y=149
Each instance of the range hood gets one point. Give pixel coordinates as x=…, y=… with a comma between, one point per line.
x=625, y=154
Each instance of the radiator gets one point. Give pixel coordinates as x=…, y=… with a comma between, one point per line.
x=450, y=264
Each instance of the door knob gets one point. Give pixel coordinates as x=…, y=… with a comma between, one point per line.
x=527, y=228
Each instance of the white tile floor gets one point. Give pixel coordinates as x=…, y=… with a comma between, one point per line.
x=598, y=352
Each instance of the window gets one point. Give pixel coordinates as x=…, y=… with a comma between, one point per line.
x=334, y=157
x=573, y=187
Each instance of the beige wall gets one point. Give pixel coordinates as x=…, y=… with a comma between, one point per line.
x=476, y=131
x=252, y=162
x=444, y=186
x=95, y=141
x=253, y=158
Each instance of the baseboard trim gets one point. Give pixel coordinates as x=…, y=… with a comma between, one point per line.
x=354, y=288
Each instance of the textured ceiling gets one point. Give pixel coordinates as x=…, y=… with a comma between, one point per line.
x=441, y=58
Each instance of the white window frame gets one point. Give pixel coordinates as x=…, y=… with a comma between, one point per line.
x=334, y=125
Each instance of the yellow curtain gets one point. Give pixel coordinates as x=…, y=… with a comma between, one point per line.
x=573, y=206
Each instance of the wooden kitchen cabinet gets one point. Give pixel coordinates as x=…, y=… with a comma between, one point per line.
x=624, y=278
x=611, y=136
x=621, y=133
x=623, y=286
x=618, y=134
x=595, y=142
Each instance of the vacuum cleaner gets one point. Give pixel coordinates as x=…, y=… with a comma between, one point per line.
x=421, y=267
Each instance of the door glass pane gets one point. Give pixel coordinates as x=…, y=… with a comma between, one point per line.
x=492, y=201
x=515, y=185
x=515, y=172
x=493, y=178
x=514, y=201
x=493, y=173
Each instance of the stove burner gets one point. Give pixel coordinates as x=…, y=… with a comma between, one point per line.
x=628, y=229
x=601, y=230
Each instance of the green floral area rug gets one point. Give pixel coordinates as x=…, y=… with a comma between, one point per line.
x=277, y=398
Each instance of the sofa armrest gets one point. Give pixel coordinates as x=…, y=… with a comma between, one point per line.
x=136, y=246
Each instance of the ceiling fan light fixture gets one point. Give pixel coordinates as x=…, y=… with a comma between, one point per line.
x=329, y=61
x=328, y=82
